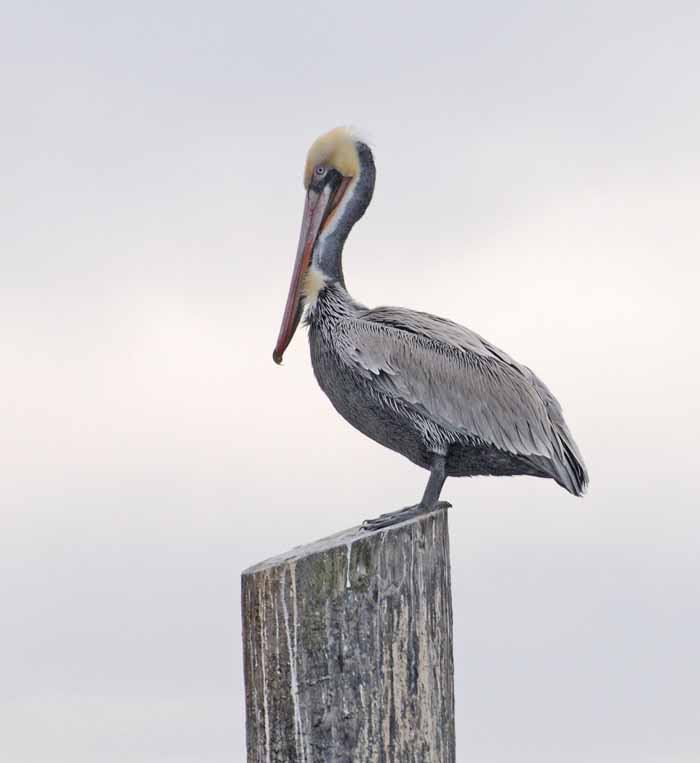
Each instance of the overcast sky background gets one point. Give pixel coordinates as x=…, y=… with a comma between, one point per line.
x=538, y=181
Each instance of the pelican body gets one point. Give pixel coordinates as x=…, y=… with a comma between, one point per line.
x=423, y=386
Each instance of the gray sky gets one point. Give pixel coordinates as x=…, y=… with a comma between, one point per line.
x=538, y=181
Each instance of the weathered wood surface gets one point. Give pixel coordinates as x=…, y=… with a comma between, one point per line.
x=348, y=649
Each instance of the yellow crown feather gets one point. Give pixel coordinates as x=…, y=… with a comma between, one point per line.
x=335, y=148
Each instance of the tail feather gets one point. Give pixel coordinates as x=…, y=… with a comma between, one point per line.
x=570, y=469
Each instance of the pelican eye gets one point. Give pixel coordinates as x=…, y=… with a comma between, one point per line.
x=320, y=170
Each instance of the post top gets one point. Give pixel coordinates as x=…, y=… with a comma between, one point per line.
x=343, y=538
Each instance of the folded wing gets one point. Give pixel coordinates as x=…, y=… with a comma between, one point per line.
x=461, y=381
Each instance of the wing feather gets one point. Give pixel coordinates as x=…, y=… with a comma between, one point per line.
x=464, y=383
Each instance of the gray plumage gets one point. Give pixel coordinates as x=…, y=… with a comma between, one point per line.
x=420, y=385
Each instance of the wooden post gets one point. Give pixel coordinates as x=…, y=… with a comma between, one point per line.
x=348, y=649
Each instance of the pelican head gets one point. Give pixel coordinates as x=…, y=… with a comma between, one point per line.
x=339, y=180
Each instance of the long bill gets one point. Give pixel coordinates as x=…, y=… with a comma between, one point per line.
x=317, y=204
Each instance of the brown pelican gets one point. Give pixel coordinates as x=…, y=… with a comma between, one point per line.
x=436, y=392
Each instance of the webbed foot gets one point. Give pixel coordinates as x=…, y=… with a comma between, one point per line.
x=402, y=515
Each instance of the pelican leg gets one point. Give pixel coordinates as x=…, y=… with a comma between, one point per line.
x=429, y=502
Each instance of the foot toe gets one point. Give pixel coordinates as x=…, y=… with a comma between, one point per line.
x=394, y=517
x=391, y=518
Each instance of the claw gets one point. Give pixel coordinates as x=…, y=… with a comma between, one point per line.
x=396, y=517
